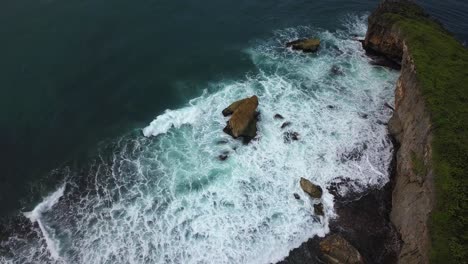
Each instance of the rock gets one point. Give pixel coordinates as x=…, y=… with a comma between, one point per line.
x=289, y=136
x=389, y=106
x=306, y=45
x=330, y=106
x=285, y=124
x=383, y=61
x=318, y=209
x=337, y=250
x=222, y=157
x=233, y=107
x=311, y=189
x=297, y=196
x=278, y=116
x=243, y=122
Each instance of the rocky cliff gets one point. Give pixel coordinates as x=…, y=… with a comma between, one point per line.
x=430, y=163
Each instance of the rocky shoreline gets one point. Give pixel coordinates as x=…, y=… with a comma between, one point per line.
x=394, y=224
x=364, y=221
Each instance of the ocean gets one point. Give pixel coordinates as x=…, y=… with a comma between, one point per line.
x=111, y=126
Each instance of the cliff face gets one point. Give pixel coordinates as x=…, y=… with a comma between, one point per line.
x=413, y=193
x=429, y=200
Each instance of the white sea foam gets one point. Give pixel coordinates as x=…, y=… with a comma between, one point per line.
x=171, y=119
x=36, y=216
x=169, y=199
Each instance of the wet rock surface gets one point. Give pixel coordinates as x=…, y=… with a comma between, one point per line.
x=243, y=122
x=311, y=189
x=305, y=45
x=318, y=209
x=336, y=249
x=363, y=221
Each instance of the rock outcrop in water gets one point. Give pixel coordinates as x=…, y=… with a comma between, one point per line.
x=305, y=45
x=243, y=122
x=337, y=250
x=311, y=189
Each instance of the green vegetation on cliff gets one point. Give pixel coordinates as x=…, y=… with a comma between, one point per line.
x=442, y=70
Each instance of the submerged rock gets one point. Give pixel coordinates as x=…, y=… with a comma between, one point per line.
x=223, y=157
x=243, y=122
x=311, y=189
x=306, y=45
x=285, y=124
x=290, y=136
x=222, y=142
x=318, y=209
x=336, y=70
x=336, y=249
x=278, y=116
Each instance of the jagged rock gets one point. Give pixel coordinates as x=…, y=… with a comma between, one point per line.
x=311, y=189
x=278, y=116
x=306, y=45
x=337, y=250
x=285, y=124
x=243, y=122
x=318, y=209
x=297, y=196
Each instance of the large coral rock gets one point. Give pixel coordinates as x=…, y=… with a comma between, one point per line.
x=306, y=45
x=311, y=189
x=243, y=122
x=337, y=250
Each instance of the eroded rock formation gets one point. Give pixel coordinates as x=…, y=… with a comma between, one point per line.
x=243, y=122
x=311, y=189
x=305, y=45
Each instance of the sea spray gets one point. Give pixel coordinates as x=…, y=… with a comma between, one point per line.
x=36, y=216
x=165, y=197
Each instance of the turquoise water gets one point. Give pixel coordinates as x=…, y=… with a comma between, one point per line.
x=85, y=88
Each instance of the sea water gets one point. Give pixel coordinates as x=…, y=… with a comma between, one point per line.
x=161, y=194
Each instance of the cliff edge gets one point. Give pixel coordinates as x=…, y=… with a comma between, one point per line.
x=430, y=126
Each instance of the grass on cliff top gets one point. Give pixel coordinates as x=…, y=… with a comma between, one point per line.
x=442, y=70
